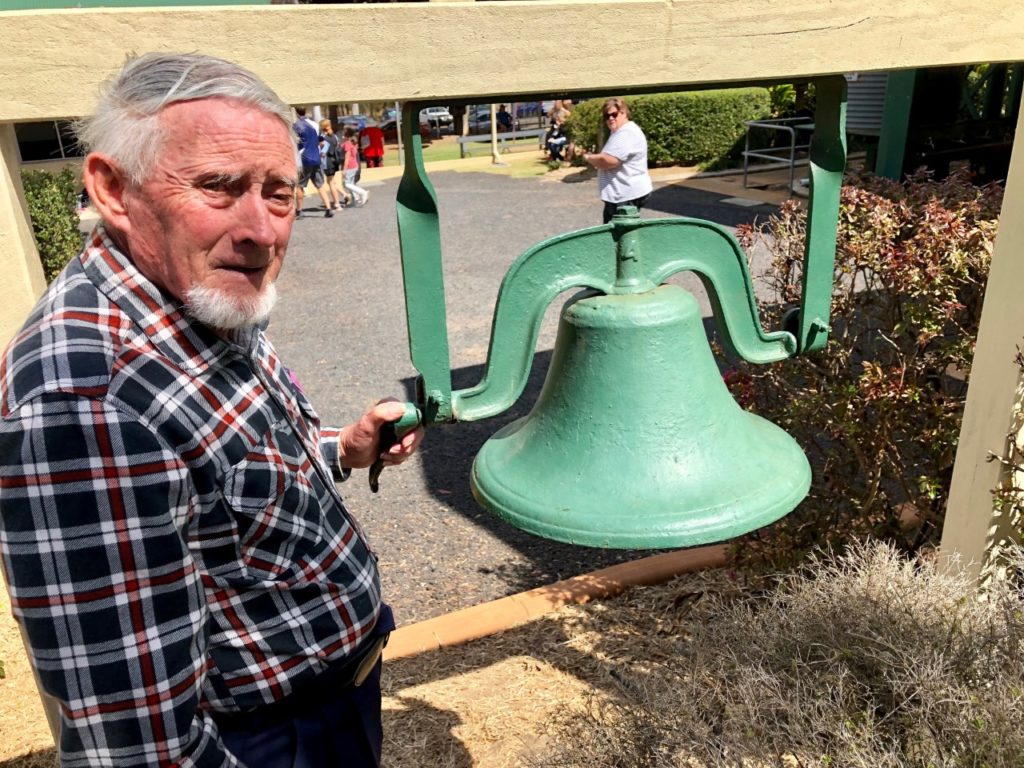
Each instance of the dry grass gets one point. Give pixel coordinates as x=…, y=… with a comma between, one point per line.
x=875, y=662
x=865, y=661
x=24, y=735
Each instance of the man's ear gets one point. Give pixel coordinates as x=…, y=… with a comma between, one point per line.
x=106, y=184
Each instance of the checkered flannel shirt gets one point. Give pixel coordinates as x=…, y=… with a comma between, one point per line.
x=171, y=534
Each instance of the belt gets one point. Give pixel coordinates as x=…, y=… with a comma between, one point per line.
x=351, y=674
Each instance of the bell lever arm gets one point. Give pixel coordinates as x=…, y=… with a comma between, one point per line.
x=390, y=434
x=645, y=253
x=710, y=251
x=810, y=323
x=532, y=282
x=419, y=238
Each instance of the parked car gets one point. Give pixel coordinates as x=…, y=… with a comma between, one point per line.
x=480, y=120
x=528, y=109
x=436, y=117
x=354, y=121
x=390, y=129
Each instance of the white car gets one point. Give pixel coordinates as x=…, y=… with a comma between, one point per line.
x=436, y=116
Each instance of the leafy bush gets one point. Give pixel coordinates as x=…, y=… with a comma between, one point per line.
x=783, y=99
x=694, y=128
x=866, y=660
x=51, y=205
x=879, y=410
x=1009, y=496
x=792, y=99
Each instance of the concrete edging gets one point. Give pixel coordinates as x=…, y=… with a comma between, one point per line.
x=490, y=618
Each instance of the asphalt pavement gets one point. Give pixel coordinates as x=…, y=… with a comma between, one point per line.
x=340, y=325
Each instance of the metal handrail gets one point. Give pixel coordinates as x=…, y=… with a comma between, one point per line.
x=788, y=124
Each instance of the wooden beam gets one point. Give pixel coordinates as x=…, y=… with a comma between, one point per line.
x=22, y=274
x=54, y=60
x=975, y=529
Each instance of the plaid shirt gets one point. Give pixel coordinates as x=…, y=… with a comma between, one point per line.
x=171, y=534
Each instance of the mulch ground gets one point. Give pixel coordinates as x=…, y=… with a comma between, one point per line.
x=491, y=703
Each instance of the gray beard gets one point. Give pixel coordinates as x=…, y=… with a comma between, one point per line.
x=218, y=310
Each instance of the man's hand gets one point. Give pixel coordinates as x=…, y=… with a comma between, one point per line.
x=359, y=445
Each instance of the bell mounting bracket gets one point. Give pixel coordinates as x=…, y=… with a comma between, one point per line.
x=629, y=255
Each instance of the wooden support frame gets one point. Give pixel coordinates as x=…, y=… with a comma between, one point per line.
x=975, y=529
x=21, y=273
x=54, y=60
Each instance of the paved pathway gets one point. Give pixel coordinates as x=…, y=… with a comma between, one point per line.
x=341, y=325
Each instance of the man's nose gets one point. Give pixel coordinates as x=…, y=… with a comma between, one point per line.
x=255, y=221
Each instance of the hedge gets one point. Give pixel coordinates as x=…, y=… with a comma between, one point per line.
x=51, y=202
x=702, y=128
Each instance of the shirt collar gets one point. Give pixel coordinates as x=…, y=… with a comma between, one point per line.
x=160, y=316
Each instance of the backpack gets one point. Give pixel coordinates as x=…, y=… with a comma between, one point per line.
x=334, y=156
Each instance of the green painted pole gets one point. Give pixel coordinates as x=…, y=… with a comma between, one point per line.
x=419, y=238
x=827, y=166
x=892, y=143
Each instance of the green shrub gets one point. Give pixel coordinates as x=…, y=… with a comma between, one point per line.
x=694, y=128
x=51, y=205
x=878, y=411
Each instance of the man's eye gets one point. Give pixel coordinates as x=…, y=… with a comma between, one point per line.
x=218, y=186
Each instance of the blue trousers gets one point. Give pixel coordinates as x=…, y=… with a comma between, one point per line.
x=331, y=727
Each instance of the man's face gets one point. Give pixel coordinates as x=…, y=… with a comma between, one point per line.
x=217, y=209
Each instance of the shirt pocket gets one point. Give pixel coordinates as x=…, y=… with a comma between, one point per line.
x=278, y=514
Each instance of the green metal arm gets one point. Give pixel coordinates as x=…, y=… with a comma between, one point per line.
x=419, y=237
x=810, y=323
x=591, y=258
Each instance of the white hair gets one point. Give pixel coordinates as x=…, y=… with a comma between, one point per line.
x=224, y=312
x=126, y=124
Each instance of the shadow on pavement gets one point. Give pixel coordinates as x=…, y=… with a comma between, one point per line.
x=449, y=453
x=677, y=200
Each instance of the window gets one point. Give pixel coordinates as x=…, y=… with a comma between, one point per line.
x=52, y=140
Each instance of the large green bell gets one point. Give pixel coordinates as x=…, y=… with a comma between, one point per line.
x=635, y=441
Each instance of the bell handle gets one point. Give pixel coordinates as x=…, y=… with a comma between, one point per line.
x=574, y=260
x=419, y=239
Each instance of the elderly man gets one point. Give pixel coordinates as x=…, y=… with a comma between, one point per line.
x=192, y=588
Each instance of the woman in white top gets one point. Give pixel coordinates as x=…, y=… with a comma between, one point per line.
x=622, y=163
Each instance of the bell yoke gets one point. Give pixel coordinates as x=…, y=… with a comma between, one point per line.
x=665, y=456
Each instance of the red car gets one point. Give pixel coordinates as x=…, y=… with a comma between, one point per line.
x=390, y=129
